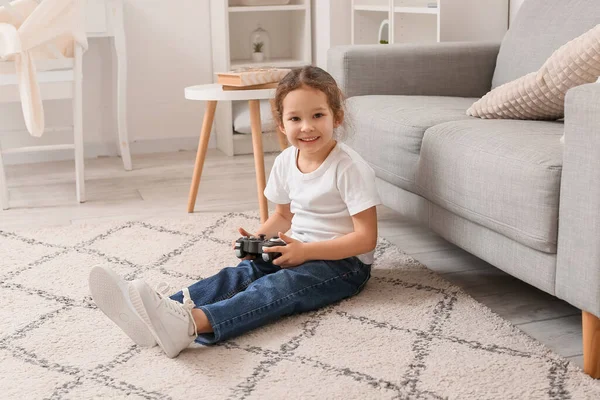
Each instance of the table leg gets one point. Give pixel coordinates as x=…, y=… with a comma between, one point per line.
x=259, y=159
x=283, y=142
x=209, y=116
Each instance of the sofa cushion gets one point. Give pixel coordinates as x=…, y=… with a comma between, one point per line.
x=539, y=28
x=501, y=174
x=387, y=130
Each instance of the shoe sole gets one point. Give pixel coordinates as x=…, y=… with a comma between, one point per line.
x=155, y=329
x=111, y=295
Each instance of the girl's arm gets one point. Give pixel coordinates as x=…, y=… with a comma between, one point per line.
x=362, y=240
x=279, y=221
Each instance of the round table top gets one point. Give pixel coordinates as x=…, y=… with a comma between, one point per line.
x=214, y=91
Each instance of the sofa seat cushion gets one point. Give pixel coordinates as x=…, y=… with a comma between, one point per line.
x=387, y=131
x=501, y=174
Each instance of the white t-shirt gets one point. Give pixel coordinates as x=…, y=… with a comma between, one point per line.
x=324, y=200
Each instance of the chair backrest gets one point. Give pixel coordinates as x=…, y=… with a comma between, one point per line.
x=539, y=28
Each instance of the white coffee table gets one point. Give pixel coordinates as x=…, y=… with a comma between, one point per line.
x=212, y=93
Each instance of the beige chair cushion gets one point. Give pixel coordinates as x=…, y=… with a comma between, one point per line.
x=541, y=94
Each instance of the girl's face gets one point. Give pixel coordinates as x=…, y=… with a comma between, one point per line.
x=308, y=122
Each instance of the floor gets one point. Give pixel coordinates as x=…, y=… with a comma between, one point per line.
x=44, y=195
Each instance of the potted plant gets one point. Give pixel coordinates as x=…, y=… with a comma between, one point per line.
x=257, y=54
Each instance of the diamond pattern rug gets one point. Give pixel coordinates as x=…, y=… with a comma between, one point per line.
x=408, y=335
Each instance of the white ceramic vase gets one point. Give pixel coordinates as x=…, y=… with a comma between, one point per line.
x=384, y=31
x=258, y=57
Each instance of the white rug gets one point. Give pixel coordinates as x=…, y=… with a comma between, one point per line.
x=408, y=335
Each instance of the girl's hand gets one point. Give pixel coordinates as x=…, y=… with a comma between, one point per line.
x=243, y=232
x=292, y=254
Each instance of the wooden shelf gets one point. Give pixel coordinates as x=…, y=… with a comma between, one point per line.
x=417, y=21
x=277, y=62
x=231, y=27
x=399, y=10
x=363, y=7
x=416, y=10
x=291, y=7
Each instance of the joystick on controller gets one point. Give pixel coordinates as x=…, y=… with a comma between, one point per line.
x=253, y=246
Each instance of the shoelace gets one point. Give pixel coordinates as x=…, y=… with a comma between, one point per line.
x=163, y=289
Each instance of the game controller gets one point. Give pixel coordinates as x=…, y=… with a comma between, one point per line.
x=252, y=246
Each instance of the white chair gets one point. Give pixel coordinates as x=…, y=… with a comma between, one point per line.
x=34, y=68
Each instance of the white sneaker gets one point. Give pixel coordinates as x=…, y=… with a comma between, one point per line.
x=170, y=322
x=111, y=294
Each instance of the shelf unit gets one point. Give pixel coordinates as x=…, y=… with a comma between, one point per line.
x=287, y=7
x=413, y=21
x=289, y=28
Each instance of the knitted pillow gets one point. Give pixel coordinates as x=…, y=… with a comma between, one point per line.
x=541, y=94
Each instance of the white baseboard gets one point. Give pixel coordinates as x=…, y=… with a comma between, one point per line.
x=93, y=150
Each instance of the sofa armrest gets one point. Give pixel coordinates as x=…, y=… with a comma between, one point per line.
x=462, y=69
x=578, y=254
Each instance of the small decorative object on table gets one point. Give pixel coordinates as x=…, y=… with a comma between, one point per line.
x=251, y=78
x=260, y=44
x=384, y=32
x=257, y=54
x=253, y=246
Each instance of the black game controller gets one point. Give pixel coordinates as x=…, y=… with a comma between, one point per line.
x=252, y=246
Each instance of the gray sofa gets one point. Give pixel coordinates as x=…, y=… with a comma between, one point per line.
x=507, y=191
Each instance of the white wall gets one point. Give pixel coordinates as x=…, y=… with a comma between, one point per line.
x=514, y=7
x=331, y=27
x=169, y=48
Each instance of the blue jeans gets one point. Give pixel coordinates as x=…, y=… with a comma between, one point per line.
x=239, y=299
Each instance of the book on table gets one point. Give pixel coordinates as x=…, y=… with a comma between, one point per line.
x=272, y=85
x=252, y=78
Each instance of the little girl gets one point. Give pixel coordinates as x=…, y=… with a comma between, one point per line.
x=323, y=190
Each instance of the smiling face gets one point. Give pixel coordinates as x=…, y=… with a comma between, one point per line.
x=308, y=122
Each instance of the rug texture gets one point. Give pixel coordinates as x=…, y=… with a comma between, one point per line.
x=408, y=335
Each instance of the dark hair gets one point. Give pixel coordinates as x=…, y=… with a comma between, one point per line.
x=313, y=77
